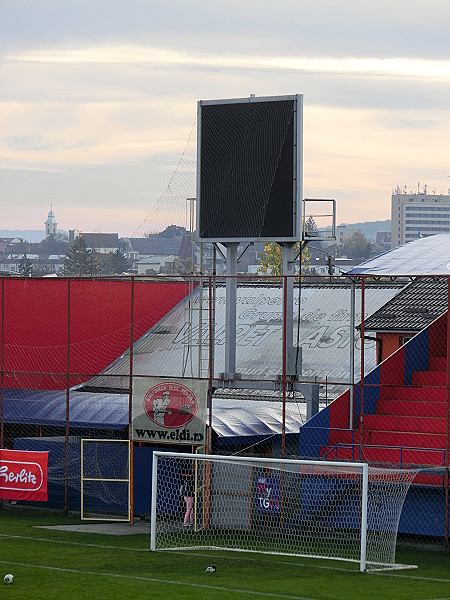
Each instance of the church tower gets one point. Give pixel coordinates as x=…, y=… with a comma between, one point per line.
x=50, y=223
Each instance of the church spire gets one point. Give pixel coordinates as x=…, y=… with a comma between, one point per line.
x=50, y=223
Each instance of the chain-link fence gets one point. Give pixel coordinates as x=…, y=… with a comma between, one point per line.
x=300, y=374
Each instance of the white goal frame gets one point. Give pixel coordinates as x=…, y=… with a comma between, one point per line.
x=362, y=467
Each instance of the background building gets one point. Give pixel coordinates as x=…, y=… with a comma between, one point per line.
x=50, y=224
x=416, y=215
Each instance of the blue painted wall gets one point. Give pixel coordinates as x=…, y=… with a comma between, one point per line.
x=417, y=354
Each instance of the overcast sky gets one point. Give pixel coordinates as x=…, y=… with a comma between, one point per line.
x=99, y=97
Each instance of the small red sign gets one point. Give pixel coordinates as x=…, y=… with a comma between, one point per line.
x=170, y=404
x=23, y=475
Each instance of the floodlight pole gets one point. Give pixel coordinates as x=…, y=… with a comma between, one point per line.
x=230, y=330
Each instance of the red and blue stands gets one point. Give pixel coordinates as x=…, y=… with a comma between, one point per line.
x=403, y=424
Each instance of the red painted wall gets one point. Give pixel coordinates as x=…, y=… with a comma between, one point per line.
x=35, y=324
x=438, y=337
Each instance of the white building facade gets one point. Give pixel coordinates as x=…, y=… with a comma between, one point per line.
x=50, y=224
x=418, y=215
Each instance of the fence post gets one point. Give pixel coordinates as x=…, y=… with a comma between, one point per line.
x=130, y=403
x=284, y=365
x=352, y=351
x=66, y=475
x=361, y=413
x=210, y=364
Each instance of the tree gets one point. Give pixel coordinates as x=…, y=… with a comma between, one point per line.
x=118, y=263
x=59, y=236
x=271, y=259
x=311, y=226
x=173, y=231
x=357, y=246
x=80, y=260
x=25, y=268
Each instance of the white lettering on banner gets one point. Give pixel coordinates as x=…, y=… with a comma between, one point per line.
x=22, y=476
x=254, y=315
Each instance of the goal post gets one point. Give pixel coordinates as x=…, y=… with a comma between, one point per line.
x=319, y=509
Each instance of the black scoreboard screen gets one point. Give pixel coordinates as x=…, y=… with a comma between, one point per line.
x=247, y=169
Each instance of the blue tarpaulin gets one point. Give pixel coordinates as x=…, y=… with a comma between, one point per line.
x=42, y=407
x=231, y=417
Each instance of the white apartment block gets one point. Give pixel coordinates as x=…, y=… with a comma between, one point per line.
x=418, y=215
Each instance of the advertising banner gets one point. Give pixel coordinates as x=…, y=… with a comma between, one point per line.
x=171, y=411
x=23, y=475
x=267, y=494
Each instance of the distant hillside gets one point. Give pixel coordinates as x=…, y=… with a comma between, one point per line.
x=370, y=228
x=29, y=235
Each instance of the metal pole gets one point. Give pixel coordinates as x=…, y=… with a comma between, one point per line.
x=66, y=477
x=365, y=474
x=210, y=369
x=130, y=404
x=231, y=291
x=259, y=459
x=289, y=269
x=213, y=308
x=200, y=317
x=283, y=420
x=361, y=415
x=352, y=351
x=153, y=507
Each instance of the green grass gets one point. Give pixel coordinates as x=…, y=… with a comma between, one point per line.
x=51, y=564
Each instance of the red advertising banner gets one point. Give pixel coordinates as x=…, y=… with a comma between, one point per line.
x=23, y=475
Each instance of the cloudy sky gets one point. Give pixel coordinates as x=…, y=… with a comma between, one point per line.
x=99, y=98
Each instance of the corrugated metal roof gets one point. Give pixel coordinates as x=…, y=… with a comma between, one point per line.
x=413, y=308
x=424, y=256
x=324, y=335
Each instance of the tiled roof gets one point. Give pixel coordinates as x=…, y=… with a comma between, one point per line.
x=156, y=245
x=413, y=308
x=101, y=240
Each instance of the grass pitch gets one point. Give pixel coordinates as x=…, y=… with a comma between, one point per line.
x=52, y=564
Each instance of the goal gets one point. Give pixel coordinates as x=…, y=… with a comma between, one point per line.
x=328, y=510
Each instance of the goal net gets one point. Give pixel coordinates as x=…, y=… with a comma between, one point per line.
x=328, y=510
